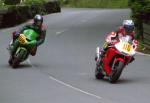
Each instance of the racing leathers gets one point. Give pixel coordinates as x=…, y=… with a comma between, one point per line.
x=112, y=39
x=41, y=31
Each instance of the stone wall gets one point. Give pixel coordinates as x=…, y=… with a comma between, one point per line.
x=146, y=34
x=18, y=14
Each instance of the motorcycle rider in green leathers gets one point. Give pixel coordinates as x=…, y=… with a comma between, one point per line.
x=38, y=27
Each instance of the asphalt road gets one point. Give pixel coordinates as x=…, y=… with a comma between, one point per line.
x=63, y=69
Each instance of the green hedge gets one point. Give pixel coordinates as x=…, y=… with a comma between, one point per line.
x=16, y=14
x=140, y=13
x=11, y=2
x=14, y=2
x=32, y=2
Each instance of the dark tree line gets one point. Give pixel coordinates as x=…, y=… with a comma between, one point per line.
x=140, y=14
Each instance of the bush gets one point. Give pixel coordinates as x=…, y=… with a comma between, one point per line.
x=141, y=9
x=33, y=2
x=11, y=2
x=16, y=14
x=1, y=2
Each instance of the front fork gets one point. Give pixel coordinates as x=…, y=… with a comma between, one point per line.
x=10, y=47
x=97, y=55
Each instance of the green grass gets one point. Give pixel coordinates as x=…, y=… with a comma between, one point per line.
x=95, y=3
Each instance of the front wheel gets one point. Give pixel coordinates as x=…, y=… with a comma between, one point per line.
x=10, y=60
x=20, y=55
x=15, y=63
x=115, y=74
x=98, y=72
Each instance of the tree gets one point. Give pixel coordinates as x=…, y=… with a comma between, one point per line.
x=140, y=13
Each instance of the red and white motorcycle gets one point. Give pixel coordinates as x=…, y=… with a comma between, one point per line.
x=115, y=59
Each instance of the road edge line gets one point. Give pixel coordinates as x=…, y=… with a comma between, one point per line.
x=68, y=85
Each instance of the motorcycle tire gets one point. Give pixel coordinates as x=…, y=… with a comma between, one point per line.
x=10, y=61
x=115, y=74
x=15, y=63
x=98, y=73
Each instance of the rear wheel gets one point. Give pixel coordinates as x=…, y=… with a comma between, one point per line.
x=115, y=74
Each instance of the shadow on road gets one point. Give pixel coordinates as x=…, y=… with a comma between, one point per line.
x=120, y=81
x=21, y=66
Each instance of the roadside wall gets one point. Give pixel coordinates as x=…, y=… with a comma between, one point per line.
x=146, y=34
x=20, y=13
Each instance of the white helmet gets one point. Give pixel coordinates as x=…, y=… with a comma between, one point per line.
x=128, y=26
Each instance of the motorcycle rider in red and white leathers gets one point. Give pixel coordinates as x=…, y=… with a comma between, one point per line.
x=127, y=28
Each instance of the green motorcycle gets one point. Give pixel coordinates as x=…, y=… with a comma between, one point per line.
x=26, y=41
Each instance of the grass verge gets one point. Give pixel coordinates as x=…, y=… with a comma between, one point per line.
x=95, y=3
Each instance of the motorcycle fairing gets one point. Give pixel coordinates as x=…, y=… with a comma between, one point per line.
x=22, y=56
x=112, y=56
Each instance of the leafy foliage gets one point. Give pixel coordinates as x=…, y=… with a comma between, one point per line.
x=34, y=2
x=140, y=9
x=140, y=13
x=11, y=2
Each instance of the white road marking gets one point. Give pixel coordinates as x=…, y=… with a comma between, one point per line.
x=68, y=85
x=60, y=32
x=76, y=89
x=72, y=87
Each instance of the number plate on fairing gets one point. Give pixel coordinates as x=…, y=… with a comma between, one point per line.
x=127, y=48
